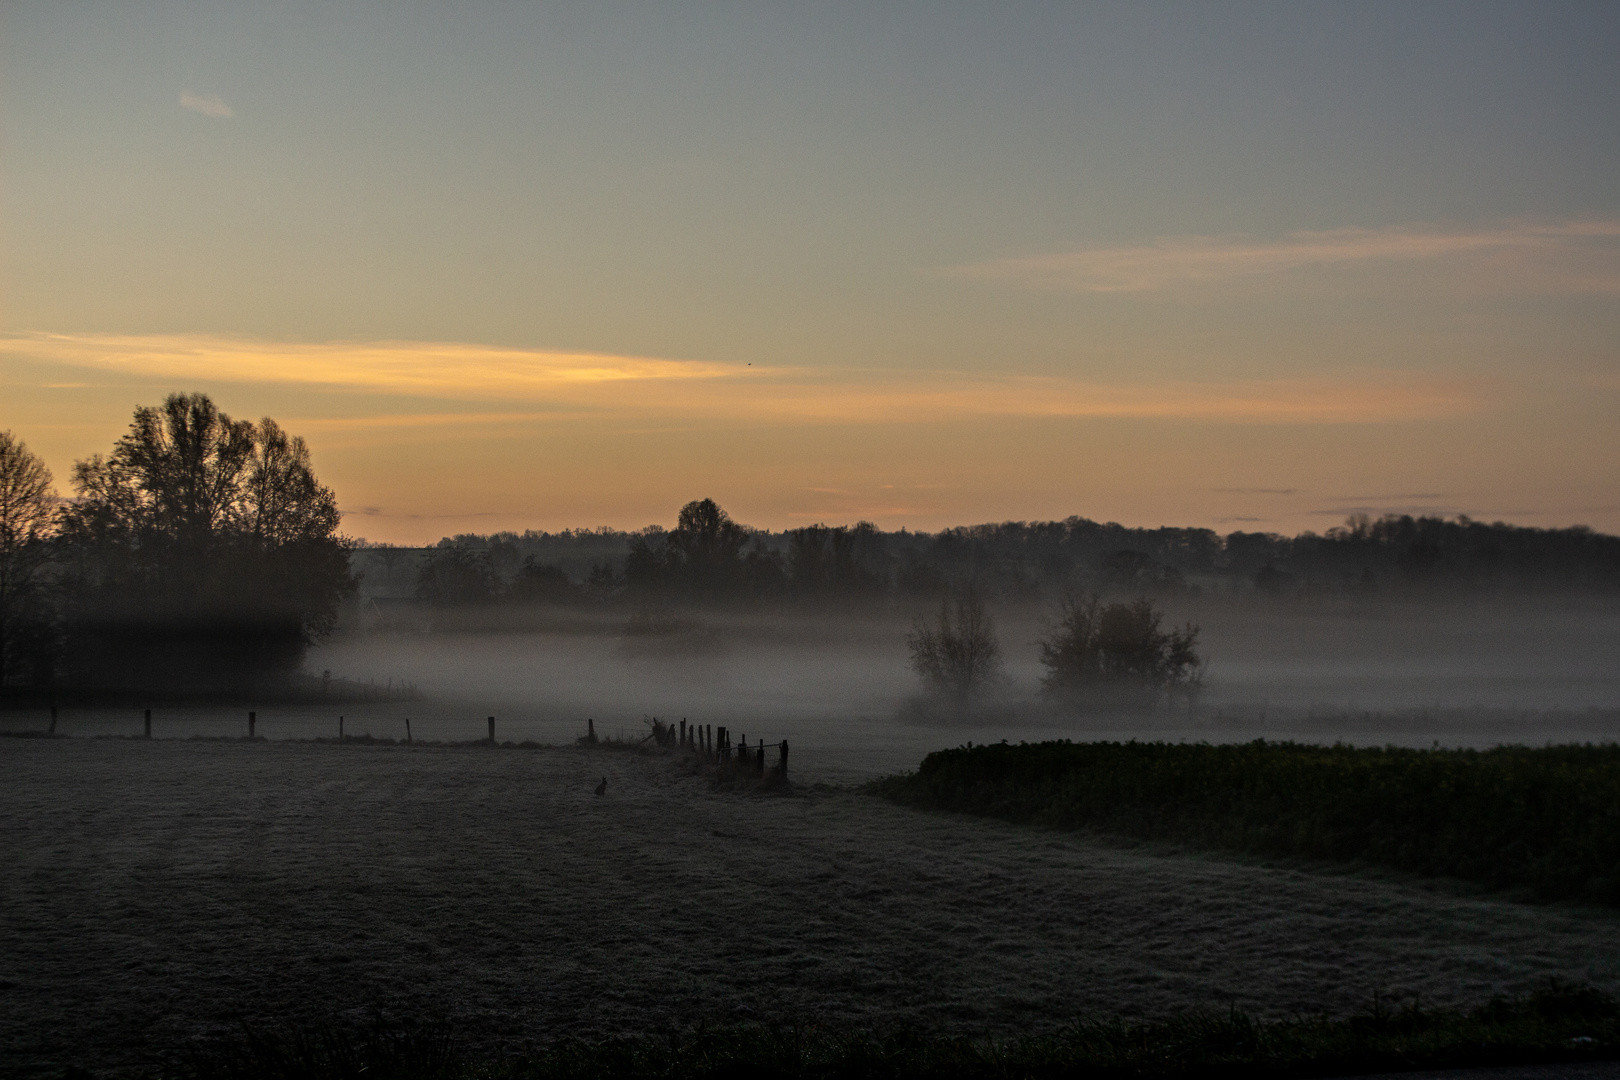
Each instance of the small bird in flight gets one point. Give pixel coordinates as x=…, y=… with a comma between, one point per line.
x=601, y=789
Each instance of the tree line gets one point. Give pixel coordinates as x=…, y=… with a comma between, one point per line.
x=201, y=552
x=708, y=557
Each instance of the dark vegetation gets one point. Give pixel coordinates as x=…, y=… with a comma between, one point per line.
x=956, y=653
x=200, y=555
x=202, y=552
x=27, y=510
x=709, y=558
x=1117, y=649
x=1547, y=820
x=1558, y=1023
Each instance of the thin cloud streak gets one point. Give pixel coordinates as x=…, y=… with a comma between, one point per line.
x=590, y=386
x=207, y=104
x=398, y=367
x=1571, y=256
x=417, y=420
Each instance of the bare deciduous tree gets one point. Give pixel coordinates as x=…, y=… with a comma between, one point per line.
x=27, y=513
x=957, y=653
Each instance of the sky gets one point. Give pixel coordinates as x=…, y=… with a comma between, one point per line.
x=1246, y=266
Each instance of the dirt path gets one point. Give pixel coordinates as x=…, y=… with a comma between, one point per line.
x=157, y=892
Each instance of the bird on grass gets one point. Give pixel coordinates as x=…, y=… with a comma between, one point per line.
x=601, y=789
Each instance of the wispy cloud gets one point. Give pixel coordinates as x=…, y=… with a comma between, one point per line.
x=432, y=369
x=207, y=104
x=563, y=385
x=1574, y=256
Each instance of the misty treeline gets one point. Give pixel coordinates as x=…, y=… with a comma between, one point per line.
x=708, y=557
x=200, y=552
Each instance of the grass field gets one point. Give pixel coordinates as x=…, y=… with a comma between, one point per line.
x=162, y=893
x=1568, y=1031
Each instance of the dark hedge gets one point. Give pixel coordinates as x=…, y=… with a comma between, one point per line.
x=1544, y=818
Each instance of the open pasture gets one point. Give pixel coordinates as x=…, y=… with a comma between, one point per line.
x=160, y=892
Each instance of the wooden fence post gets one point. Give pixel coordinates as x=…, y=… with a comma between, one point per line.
x=148, y=723
x=253, y=720
x=407, y=729
x=683, y=731
x=340, y=729
x=492, y=729
x=759, y=760
x=782, y=768
x=590, y=730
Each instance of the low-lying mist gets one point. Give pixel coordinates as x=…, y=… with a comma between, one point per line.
x=839, y=685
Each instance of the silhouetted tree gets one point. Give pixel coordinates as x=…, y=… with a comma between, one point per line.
x=838, y=561
x=27, y=513
x=1121, y=645
x=456, y=574
x=707, y=556
x=543, y=583
x=707, y=546
x=602, y=584
x=201, y=549
x=957, y=654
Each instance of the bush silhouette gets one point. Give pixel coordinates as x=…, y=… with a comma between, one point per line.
x=1120, y=646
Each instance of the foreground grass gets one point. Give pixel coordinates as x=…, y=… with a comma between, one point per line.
x=1547, y=819
x=1558, y=1023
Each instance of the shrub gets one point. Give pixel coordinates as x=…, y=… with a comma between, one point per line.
x=1120, y=645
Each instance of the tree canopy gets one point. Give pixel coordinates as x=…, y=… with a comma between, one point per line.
x=1117, y=646
x=201, y=549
